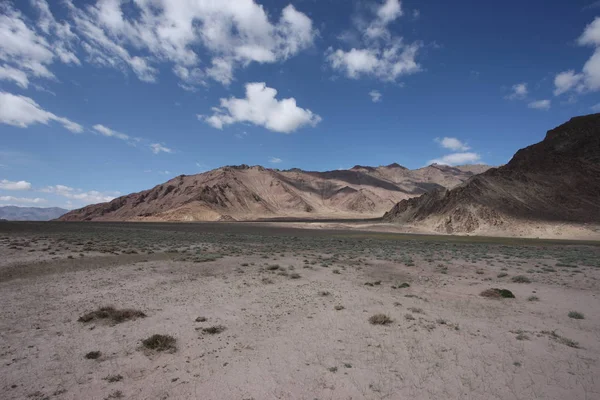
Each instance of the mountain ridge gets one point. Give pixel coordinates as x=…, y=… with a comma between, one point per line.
x=243, y=192
x=555, y=180
x=17, y=213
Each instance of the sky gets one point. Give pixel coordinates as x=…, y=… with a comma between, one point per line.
x=100, y=98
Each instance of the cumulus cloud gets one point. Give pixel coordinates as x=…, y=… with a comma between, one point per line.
x=460, y=155
x=588, y=80
x=452, y=144
x=232, y=34
x=92, y=196
x=540, y=105
x=158, y=148
x=14, y=185
x=275, y=160
x=381, y=54
x=375, y=96
x=260, y=107
x=22, y=111
x=457, y=159
x=22, y=200
x=518, y=91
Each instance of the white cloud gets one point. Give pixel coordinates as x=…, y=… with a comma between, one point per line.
x=595, y=108
x=14, y=185
x=518, y=91
x=275, y=160
x=22, y=200
x=386, y=64
x=231, y=35
x=452, y=144
x=375, y=96
x=457, y=159
x=31, y=50
x=389, y=11
x=103, y=130
x=22, y=111
x=157, y=148
x=588, y=80
x=381, y=54
x=566, y=81
x=13, y=74
x=92, y=196
x=260, y=107
x=540, y=104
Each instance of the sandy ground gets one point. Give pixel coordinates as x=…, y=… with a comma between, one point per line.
x=284, y=337
x=531, y=230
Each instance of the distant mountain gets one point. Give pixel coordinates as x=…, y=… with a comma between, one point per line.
x=249, y=193
x=14, y=213
x=555, y=180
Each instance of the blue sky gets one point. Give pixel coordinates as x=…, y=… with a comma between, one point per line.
x=108, y=97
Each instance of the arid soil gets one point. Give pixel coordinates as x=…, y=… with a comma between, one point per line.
x=264, y=312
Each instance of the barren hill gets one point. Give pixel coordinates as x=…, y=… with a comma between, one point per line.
x=556, y=180
x=248, y=193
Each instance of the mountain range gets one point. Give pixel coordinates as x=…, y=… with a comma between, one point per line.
x=14, y=213
x=250, y=193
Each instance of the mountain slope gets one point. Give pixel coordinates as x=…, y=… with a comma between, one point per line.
x=555, y=180
x=14, y=213
x=247, y=193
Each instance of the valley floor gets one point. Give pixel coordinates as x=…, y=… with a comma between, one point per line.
x=275, y=312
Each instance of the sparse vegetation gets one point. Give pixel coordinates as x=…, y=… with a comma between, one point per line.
x=380, y=319
x=213, y=330
x=93, y=355
x=576, y=315
x=114, y=378
x=112, y=315
x=561, y=339
x=160, y=343
x=497, y=293
x=533, y=298
x=521, y=279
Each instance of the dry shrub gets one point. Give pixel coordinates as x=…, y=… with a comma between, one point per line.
x=112, y=315
x=380, y=319
x=497, y=293
x=160, y=343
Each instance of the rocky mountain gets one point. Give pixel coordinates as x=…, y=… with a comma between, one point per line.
x=555, y=180
x=14, y=213
x=250, y=193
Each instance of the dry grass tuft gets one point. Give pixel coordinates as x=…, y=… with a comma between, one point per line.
x=497, y=294
x=93, y=355
x=112, y=315
x=213, y=330
x=380, y=319
x=160, y=343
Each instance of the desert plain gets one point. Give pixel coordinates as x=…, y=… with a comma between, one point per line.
x=265, y=311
